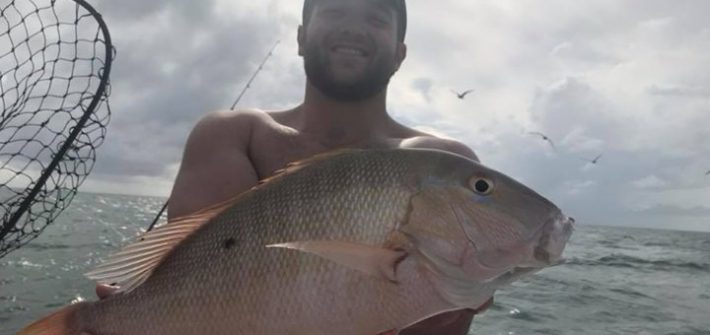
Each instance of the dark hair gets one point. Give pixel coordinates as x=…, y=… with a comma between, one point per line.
x=399, y=6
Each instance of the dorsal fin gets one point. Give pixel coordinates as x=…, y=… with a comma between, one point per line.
x=297, y=165
x=133, y=264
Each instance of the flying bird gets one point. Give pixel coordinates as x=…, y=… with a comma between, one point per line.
x=707, y=173
x=461, y=95
x=593, y=161
x=544, y=137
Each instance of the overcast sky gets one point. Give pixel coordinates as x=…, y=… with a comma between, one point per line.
x=628, y=79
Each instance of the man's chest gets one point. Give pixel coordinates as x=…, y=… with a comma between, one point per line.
x=271, y=153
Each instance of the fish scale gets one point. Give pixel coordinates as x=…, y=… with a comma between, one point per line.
x=355, y=196
x=352, y=243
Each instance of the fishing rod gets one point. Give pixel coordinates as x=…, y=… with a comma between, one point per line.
x=239, y=98
x=261, y=66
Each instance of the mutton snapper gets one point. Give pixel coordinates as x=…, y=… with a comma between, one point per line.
x=355, y=242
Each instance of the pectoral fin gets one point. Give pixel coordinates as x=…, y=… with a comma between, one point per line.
x=375, y=261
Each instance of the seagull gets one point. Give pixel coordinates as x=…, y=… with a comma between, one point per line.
x=461, y=95
x=544, y=137
x=595, y=160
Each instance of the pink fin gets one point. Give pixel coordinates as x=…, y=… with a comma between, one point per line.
x=297, y=165
x=58, y=323
x=371, y=260
x=131, y=266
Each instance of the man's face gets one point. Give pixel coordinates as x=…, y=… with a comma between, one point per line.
x=350, y=48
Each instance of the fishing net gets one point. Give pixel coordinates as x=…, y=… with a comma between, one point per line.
x=55, y=59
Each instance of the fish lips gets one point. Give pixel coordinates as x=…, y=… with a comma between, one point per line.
x=553, y=240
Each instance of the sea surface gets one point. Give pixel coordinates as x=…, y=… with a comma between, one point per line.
x=616, y=280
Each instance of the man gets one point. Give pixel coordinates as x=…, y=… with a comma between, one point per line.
x=350, y=49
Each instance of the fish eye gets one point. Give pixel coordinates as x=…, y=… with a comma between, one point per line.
x=482, y=186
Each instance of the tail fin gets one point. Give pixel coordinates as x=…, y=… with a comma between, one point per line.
x=58, y=323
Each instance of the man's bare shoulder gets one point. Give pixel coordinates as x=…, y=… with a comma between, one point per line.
x=228, y=125
x=215, y=164
x=221, y=133
x=426, y=141
x=228, y=119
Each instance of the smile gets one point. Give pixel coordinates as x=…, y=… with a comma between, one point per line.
x=349, y=50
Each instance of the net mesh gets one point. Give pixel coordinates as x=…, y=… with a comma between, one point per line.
x=55, y=57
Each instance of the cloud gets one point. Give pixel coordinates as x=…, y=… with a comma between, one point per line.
x=424, y=86
x=572, y=110
x=626, y=79
x=650, y=182
x=577, y=187
x=679, y=91
x=176, y=62
x=577, y=140
x=666, y=210
x=584, y=55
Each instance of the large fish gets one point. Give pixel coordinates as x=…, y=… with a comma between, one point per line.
x=356, y=242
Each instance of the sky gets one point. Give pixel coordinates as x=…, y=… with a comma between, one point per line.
x=624, y=78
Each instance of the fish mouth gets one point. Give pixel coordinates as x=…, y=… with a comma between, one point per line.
x=553, y=239
x=548, y=252
x=541, y=248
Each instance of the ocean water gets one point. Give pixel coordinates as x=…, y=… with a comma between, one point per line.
x=616, y=281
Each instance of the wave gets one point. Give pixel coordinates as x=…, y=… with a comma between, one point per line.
x=48, y=246
x=658, y=244
x=625, y=261
x=523, y=315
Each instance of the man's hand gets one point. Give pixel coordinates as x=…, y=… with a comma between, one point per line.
x=105, y=291
x=454, y=323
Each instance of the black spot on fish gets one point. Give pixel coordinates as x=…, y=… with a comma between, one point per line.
x=229, y=243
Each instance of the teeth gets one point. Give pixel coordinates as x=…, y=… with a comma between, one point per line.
x=349, y=51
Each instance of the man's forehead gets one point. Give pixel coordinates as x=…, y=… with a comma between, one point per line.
x=398, y=6
x=385, y=5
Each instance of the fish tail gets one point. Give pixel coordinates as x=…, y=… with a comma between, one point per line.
x=57, y=323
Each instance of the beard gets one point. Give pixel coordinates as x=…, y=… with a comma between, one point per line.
x=371, y=82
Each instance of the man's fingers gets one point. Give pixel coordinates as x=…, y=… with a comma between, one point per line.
x=486, y=305
x=104, y=291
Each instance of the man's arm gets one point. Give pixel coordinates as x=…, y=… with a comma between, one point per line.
x=215, y=164
x=215, y=167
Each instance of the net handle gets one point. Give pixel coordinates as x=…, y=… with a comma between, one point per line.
x=27, y=202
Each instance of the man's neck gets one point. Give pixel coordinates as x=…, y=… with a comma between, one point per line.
x=337, y=123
